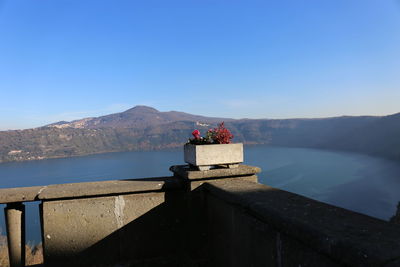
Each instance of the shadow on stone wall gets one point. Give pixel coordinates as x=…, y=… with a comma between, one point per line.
x=170, y=234
x=257, y=225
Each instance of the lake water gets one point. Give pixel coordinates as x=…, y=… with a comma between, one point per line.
x=357, y=182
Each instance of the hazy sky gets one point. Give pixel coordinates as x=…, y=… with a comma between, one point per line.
x=64, y=60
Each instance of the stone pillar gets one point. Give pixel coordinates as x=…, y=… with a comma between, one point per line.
x=195, y=178
x=15, y=224
x=196, y=240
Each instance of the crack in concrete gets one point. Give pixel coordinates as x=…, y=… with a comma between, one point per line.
x=41, y=190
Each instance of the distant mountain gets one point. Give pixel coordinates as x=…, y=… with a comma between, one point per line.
x=143, y=128
x=137, y=117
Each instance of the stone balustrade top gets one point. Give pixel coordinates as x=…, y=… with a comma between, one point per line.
x=87, y=189
x=185, y=171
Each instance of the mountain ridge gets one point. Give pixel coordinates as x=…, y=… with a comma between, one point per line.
x=144, y=128
x=137, y=117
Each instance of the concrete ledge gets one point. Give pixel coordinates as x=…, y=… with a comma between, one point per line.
x=185, y=171
x=19, y=194
x=344, y=236
x=89, y=189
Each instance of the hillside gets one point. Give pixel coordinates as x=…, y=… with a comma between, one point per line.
x=379, y=137
x=138, y=117
x=143, y=128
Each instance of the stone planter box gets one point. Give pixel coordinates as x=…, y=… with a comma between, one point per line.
x=206, y=156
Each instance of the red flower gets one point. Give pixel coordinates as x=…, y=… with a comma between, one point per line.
x=222, y=135
x=219, y=135
x=196, y=134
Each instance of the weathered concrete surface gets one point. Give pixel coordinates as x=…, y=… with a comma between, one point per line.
x=15, y=223
x=297, y=230
x=105, y=188
x=200, y=155
x=185, y=171
x=88, y=189
x=195, y=183
x=82, y=232
x=195, y=178
x=19, y=194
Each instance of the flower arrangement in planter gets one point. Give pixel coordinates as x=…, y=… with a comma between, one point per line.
x=219, y=135
x=212, y=150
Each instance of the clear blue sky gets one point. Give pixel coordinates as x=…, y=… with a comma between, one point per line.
x=64, y=60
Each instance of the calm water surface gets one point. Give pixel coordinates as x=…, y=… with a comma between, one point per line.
x=357, y=182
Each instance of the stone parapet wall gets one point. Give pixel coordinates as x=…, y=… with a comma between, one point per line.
x=256, y=225
x=107, y=230
x=158, y=220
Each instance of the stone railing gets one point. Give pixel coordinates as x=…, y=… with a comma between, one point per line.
x=218, y=217
x=68, y=212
